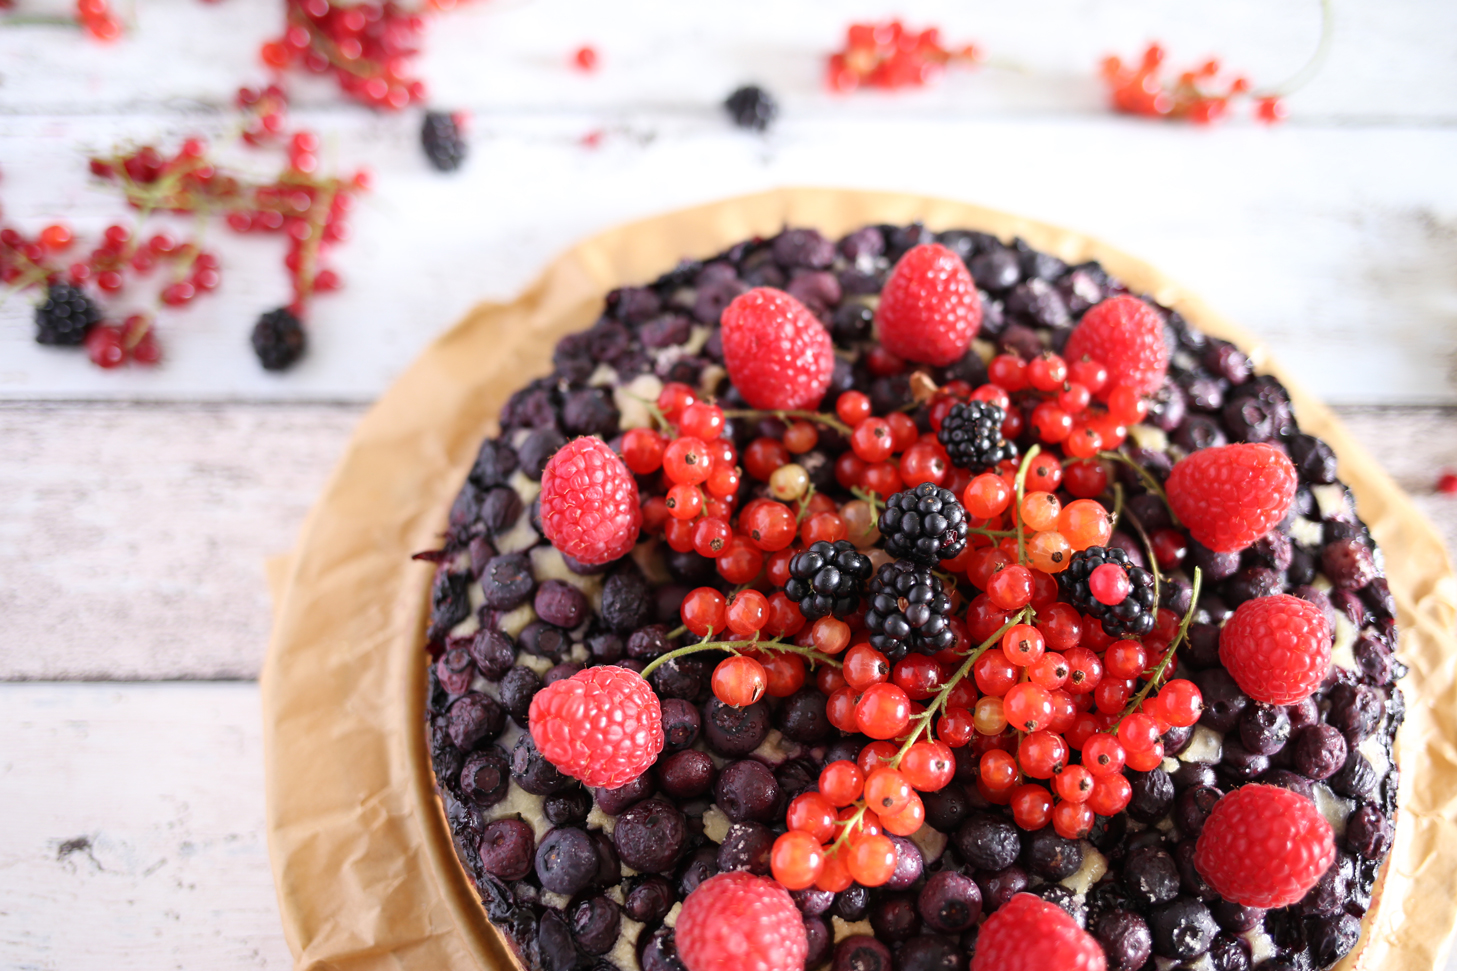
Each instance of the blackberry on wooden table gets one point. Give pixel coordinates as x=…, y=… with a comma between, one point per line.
x=971, y=433
x=828, y=578
x=443, y=141
x=66, y=317
x=908, y=611
x=752, y=107
x=926, y=525
x=1135, y=615
x=279, y=340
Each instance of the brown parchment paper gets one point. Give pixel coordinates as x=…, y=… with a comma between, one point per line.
x=362, y=859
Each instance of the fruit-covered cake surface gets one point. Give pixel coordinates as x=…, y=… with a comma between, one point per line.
x=892, y=598
x=910, y=601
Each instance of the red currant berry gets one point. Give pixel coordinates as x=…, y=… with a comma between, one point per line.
x=1109, y=584
x=642, y=450
x=764, y=456
x=1007, y=372
x=1111, y=795
x=769, y=525
x=928, y=766
x=1125, y=659
x=852, y=407
x=785, y=671
x=785, y=620
x=1103, y=755
x=1050, y=670
x=1072, y=820
x=1046, y=372
x=1028, y=707
x=741, y=562
x=797, y=859
x=1023, y=645
x=1041, y=754
x=998, y=770
x=1074, y=398
x=1031, y=806
x=674, y=398
x=956, y=727
x=687, y=461
x=748, y=612
x=704, y=611
x=1011, y=587
x=1085, y=670
x=883, y=711
x=1085, y=479
x=1181, y=703
x=1061, y=626
x=813, y=813
x=995, y=674
x=1169, y=548
x=873, y=440
x=739, y=681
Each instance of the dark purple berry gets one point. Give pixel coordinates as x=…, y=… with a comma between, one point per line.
x=614, y=801
x=820, y=940
x=518, y=686
x=930, y=952
x=1264, y=729
x=909, y=864
x=733, y=732
x=492, y=652
x=485, y=778
x=894, y=918
x=1153, y=795
x=1348, y=563
x=1320, y=751
x=650, y=835
x=701, y=864
x=531, y=771
x=595, y=923
x=946, y=808
x=686, y=774
x=949, y=902
x=626, y=601
x=561, y=604
x=861, y=952
x=746, y=790
x=801, y=717
x=1054, y=857
x=650, y=900
x=746, y=847
x=1182, y=930
x=1150, y=876
x=852, y=903
x=1332, y=938
x=1229, y=953
x=567, y=861
x=1192, y=809
x=570, y=807
x=1000, y=887
x=1368, y=832
x=474, y=719
x=506, y=849
x=988, y=842
x=507, y=581
x=814, y=901
x=1125, y=938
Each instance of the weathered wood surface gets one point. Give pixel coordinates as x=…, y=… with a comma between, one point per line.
x=131, y=829
x=132, y=537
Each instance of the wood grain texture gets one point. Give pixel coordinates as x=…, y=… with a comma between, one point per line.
x=132, y=537
x=131, y=833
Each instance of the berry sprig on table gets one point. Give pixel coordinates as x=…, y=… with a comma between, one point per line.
x=888, y=55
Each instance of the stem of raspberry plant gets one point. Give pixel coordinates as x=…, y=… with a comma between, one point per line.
x=1158, y=674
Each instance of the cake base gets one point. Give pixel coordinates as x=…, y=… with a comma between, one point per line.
x=362, y=856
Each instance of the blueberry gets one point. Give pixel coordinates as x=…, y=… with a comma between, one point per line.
x=1368, y=832
x=863, y=244
x=1293, y=781
x=544, y=640
x=1125, y=938
x=1054, y=857
x=946, y=809
x=734, y=731
x=561, y=604
x=531, y=771
x=690, y=568
x=647, y=643
x=1191, y=774
x=633, y=305
x=1040, y=302
x=518, y=686
x=473, y=719
x=1215, y=566
x=1356, y=710
x=625, y=601
x=555, y=946
x=500, y=509
x=1356, y=779
x=1191, y=881
x=680, y=724
x=1332, y=938
x=568, y=807
x=1056, y=893
x=1239, y=765
x=929, y=952
x=813, y=902
x=909, y=864
x=852, y=903
x=561, y=672
x=1182, y=930
x=507, y=581
x=506, y=849
x=851, y=323
x=817, y=935
x=803, y=248
x=1235, y=918
x=1153, y=795
x=1264, y=729
x=700, y=865
x=1150, y=876
x=605, y=647
x=493, y=465
x=999, y=887
x=796, y=776
x=588, y=411
x=988, y=842
x=1320, y=751
x=659, y=953
x=747, y=790
x=949, y=902
x=566, y=860
x=492, y=652
x=595, y=923
x=894, y=918
x=538, y=449
x=614, y=801
x=650, y=900
x=650, y=836
x=485, y=778
x=449, y=602
x=1192, y=808
x=686, y=774
x=1252, y=582
x=996, y=269
x=1348, y=563
x=1331, y=891
x=455, y=670
x=746, y=847
x=1223, y=699
x=801, y=717
x=1229, y=953
x=861, y=952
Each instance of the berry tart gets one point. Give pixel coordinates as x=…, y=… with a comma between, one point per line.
x=910, y=602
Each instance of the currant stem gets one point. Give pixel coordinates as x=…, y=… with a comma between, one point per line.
x=1032, y=453
x=804, y=504
x=872, y=497
x=815, y=416
x=1149, y=481
x=1317, y=60
x=735, y=647
x=1153, y=565
x=1168, y=659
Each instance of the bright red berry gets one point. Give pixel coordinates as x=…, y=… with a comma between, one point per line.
x=1127, y=336
x=589, y=502
x=777, y=354
x=1264, y=846
x=1109, y=584
x=1029, y=934
x=1231, y=495
x=929, y=309
x=602, y=726
x=736, y=921
x=1277, y=648
x=739, y=681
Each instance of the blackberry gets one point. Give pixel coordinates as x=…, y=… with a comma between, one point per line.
x=972, y=435
x=925, y=524
x=66, y=317
x=443, y=141
x=1134, y=617
x=908, y=611
x=278, y=340
x=828, y=578
x=752, y=107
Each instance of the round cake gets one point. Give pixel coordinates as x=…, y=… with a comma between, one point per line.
x=910, y=601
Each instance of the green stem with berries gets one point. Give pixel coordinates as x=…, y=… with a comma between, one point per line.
x=1144, y=474
x=1317, y=60
x=819, y=417
x=733, y=647
x=1021, y=484
x=1137, y=701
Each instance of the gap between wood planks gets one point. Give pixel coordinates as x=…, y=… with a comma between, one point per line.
x=133, y=536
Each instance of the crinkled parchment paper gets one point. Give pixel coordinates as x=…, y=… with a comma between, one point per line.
x=365, y=871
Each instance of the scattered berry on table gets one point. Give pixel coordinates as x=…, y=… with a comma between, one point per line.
x=926, y=524
x=65, y=317
x=908, y=611
x=929, y=309
x=602, y=726
x=1132, y=614
x=279, y=339
x=1228, y=496
x=589, y=502
x=828, y=578
x=1447, y=482
x=1264, y=846
x=585, y=58
x=443, y=138
x=1029, y=934
x=1127, y=336
x=777, y=354
x=888, y=55
x=737, y=921
x=972, y=435
x=752, y=107
x=1278, y=648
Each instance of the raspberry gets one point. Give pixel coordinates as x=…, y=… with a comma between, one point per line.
x=1029, y=934
x=777, y=354
x=1231, y=495
x=1127, y=335
x=589, y=503
x=602, y=726
x=1264, y=846
x=736, y=921
x=1277, y=648
x=929, y=310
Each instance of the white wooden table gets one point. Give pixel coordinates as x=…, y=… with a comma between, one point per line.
x=137, y=507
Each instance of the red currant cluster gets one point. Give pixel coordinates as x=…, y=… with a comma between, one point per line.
x=887, y=55
x=1198, y=96
x=266, y=113
x=98, y=20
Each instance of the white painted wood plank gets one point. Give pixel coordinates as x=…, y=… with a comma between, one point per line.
x=1334, y=245
x=1388, y=60
x=132, y=831
x=132, y=538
